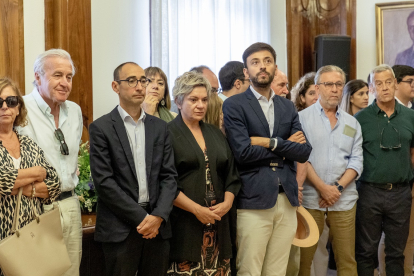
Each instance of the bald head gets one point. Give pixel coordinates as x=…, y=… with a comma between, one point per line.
x=212, y=79
x=280, y=84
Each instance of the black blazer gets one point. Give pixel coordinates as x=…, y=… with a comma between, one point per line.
x=260, y=168
x=191, y=168
x=114, y=175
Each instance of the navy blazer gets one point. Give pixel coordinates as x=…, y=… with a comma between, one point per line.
x=261, y=169
x=114, y=175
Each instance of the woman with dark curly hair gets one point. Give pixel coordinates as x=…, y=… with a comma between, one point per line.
x=303, y=93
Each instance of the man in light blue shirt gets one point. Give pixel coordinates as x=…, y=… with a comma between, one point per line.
x=334, y=164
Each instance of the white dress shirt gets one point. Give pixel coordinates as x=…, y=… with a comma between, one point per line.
x=136, y=138
x=267, y=107
x=409, y=105
x=41, y=128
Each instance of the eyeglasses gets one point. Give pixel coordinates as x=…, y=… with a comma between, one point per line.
x=64, y=150
x=133, y=82
x=11, y=101
x=410, y=82
x=388, y=135
x=330, y=85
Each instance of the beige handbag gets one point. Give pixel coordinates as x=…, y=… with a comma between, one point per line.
x=37, y=249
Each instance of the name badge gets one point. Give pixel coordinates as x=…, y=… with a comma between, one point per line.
x=349, y=131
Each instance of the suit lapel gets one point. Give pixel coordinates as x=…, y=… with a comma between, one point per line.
x=278, y=110
x=123, y=138
x=188, y=135
x=254, y=103
x=149, y=145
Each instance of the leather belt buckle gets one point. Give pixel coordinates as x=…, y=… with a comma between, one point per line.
x=389, y=186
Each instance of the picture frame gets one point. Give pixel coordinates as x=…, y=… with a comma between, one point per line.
x=395, y=33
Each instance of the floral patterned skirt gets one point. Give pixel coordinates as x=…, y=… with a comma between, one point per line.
x=210, y=264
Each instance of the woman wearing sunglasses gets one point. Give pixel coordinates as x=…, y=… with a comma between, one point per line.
x=22, y=164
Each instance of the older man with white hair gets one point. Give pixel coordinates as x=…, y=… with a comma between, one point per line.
x=55, y=124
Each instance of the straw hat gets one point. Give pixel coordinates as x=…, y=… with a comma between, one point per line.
x=307, y=232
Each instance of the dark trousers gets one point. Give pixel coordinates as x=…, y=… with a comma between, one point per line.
x=147, y=256
x=382, y=210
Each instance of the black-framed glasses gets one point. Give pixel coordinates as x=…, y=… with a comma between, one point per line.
x=391, y=134
x=133, y=82
x=330, y=85
x=410, y=82
x=11, y=101
x=64, y=150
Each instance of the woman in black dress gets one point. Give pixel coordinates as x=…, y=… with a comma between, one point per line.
x=207, y=185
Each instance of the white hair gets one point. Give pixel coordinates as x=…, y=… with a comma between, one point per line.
x=379, y=69
x=39, y=64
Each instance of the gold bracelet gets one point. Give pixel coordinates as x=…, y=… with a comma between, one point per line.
x=33, y=190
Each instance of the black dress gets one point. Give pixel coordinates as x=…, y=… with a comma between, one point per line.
x=204, y=180
x=211, y=263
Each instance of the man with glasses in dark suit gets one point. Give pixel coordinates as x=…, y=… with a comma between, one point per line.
x=55, y=124
x=384, y=203
x=132, y=164
x=406, y=57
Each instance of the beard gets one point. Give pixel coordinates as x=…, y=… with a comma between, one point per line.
x=260, y=82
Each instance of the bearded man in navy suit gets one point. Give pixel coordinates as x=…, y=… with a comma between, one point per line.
x=266, y=137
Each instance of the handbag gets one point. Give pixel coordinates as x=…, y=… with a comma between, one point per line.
x=37, y=249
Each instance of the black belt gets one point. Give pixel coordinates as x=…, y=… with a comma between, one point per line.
x=281, y=190
x=65, y=195
x=146, y=206
x=387, y=186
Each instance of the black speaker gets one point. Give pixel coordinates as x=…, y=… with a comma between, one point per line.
x=333, y=50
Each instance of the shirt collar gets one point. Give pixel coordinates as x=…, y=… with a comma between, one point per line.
x=400, y=102
x=125, y=115
x=258, y=95
x=43, y=106
x=378, y=110
x=319, y=107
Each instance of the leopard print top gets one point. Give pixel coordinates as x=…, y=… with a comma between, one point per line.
x=31, y=155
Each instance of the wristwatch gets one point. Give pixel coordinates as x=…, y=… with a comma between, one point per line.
x=272, y=144
x=339, y=186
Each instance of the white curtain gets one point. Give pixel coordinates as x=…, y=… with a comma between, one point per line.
x=188, y=33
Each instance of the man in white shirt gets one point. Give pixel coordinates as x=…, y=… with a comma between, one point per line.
x=55, y=124
x=404, y=92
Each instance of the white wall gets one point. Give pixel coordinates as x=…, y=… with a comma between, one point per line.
x=366, y=46
x=34, y=37
x=278, y=32
x=120, y=33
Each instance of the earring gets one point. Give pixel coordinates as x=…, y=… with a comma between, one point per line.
x=162, y=102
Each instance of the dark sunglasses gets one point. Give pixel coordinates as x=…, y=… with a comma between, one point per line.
x=64, y=150
x=11, y=101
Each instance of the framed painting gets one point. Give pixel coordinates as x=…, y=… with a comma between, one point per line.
x=395, y=33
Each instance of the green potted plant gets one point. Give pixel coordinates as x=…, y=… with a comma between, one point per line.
x=85, y=188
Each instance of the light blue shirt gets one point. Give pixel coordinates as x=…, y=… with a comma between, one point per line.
x=41, y=127
x=267, y=107
x=136, y=137
x=333, y=152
